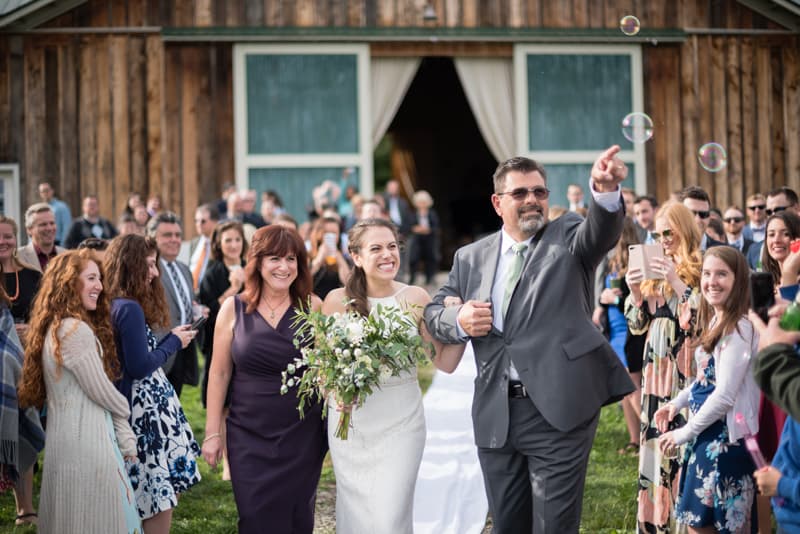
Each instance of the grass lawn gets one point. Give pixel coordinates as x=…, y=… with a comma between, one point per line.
x=608, y=506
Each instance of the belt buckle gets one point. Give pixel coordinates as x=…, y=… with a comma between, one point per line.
x=517, y=390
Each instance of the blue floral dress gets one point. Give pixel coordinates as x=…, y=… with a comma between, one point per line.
x=166, y=446
x=717, y=487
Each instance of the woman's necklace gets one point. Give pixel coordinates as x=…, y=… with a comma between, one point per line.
x=271, y=309
x=16, y=295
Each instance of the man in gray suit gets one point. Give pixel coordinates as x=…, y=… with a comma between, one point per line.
x=176, y=278
x=544, y=370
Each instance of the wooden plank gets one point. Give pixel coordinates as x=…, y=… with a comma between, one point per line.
x=304, y=13
x=100, y=14
x=253, y=13
x=778, y=142
x=763, y=105
x=719, y=124
x=453, y=14
x=688, y=101
x=5, y=101
x=87, y=124
x=49, y=135
x=516, y=16
x=173, y=129
x=155, y=117
x=184, y=13
x=16, y=68
x=749, y=126
x=203, y=16
x=791, y=113
x=34, y=104
x=68, y=175
x=338, y=12
x=207, y=146
x=556, y=14
x=672, y=129
x=273, y=13
x=192, y=74
x=705, y=99
x=138, y=113
x=137, y=13
x=355, y=13
x=737, y=190
x=119, y=14
x=655, y=104
x=580, y=13
x=470, y=13
x=385, y=13
x=222, y=96
x=105, y=154
x=322, y=13
x=120, y=102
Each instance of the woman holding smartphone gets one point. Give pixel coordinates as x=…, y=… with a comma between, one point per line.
x=329, y=268
x=662, y=308
x=717, y=486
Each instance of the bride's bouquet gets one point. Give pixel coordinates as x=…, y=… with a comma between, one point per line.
x=348, y=354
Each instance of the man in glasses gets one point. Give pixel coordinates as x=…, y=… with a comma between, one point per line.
x=733, y=221
x=544, y=370
x=698, y=202
x=756, y=227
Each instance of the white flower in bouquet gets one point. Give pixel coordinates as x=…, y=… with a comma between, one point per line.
x=348, y=355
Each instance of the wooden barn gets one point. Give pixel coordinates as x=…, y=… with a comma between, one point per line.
x=177, y=97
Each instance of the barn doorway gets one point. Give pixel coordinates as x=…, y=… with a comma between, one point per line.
x=435, y=136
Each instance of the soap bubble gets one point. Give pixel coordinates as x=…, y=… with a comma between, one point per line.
x=629, y=25
x=637, y=127
x=712, y=157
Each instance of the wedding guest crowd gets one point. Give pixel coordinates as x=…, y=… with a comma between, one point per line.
x=111, y=331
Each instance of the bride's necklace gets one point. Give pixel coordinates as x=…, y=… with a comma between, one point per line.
x=273, y=309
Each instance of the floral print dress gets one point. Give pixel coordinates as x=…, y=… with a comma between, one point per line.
x=717, y=487
x=665, y=368
x=166, y=446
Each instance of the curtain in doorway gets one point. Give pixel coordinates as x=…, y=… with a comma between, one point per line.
x=391, y=78
x=489, y=87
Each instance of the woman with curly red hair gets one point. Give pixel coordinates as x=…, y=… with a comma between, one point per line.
x=70, y=362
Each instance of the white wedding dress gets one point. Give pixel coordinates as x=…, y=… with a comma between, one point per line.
x=376, y=467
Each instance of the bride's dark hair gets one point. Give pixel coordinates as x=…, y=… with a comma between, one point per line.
x=356, y=287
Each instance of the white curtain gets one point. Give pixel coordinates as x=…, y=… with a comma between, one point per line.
x=390, y=80
x=489, y=86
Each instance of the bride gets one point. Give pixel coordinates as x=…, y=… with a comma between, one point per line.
x=376, y=467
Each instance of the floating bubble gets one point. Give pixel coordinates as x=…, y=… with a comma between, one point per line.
x=712, y=157
x=637, y=127
x=629, y=25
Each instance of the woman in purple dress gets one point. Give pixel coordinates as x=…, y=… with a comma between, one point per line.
x=275, y=456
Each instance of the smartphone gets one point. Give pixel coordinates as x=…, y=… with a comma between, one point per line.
x=198, y=323
x=795, y=245
x=639, y=257
x=330, y=240
x=762, y=294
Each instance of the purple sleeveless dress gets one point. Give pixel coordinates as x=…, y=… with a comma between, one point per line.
x=275, y=457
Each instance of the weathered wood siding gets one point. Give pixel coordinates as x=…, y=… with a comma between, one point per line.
x=117, y=112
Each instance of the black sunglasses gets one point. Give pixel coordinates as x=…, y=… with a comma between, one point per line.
x=776, y=210
x=733, y=219
x=521, y=193
x=702, y=214
x=757, y=207
x=666, y=234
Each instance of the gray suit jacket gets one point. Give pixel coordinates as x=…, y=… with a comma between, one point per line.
x=184, y=362
x=566, y=364
x=28, y=256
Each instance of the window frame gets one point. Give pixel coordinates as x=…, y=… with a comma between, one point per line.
x=363, y=159
x=9, y=174
x=637, y=156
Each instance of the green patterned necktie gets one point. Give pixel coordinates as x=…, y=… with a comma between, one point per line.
x=514, y=270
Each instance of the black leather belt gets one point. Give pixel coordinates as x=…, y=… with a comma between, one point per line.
x=517, y=390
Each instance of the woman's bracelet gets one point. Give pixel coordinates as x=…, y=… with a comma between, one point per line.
x=212, y=436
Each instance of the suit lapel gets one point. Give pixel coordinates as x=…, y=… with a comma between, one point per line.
x=489, y=256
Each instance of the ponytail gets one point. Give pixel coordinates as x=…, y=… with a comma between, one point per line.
x=356, y=291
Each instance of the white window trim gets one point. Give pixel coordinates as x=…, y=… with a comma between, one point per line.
x=362, y=160
x=636, y=156
x=9, y=173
